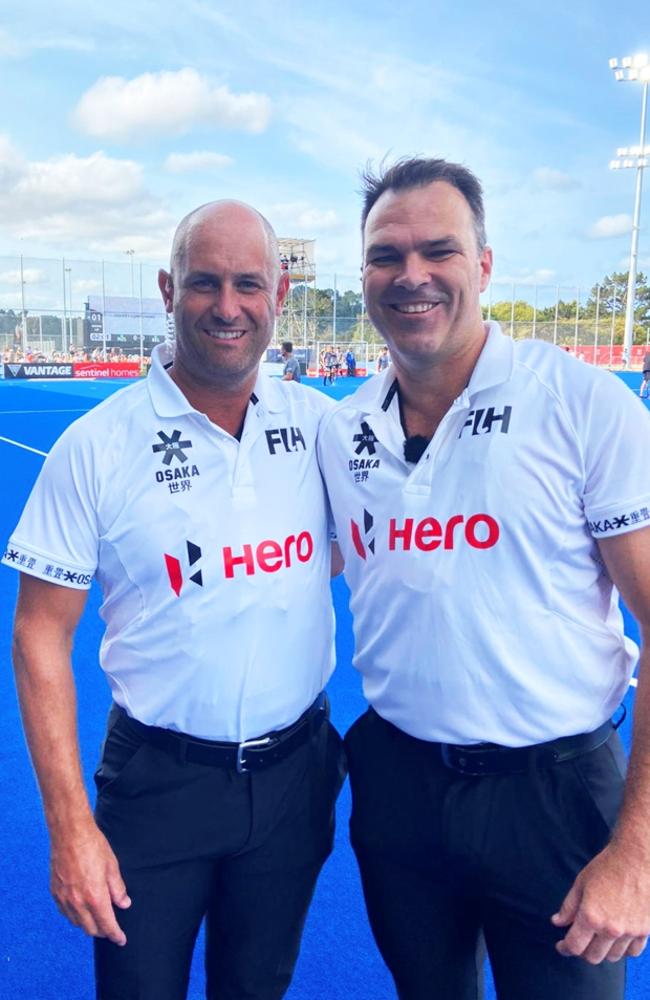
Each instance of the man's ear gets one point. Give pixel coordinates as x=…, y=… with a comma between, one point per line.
x=166, y=286
x=282, y=292
x=485, y=264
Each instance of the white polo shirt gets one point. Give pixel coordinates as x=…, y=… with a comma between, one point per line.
x=482, y=610
x=212, y=554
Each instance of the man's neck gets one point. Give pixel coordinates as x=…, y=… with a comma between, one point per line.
x=426, y=394
x=224, y=406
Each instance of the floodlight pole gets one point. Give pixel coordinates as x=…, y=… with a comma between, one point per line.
x=628, y=336
x=633, y=68
x=22, y=298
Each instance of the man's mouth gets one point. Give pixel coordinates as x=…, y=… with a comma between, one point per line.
x=225, y=334
x=414, y=307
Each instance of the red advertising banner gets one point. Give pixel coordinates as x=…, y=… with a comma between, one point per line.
x=106, y=369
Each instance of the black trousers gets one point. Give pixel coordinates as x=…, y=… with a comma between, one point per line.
x=447, y=859
x=193, y=841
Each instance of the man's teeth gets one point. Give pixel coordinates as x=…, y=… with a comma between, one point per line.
x=416, y=307
x=225, y=334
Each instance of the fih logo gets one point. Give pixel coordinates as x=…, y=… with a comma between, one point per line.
x=175, y=572
x=483, y=420
x=368, y=534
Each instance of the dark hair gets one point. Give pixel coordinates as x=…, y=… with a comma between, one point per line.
x=287, y=346
x=412, y=172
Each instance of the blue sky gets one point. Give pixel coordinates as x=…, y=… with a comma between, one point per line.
x=120, y=117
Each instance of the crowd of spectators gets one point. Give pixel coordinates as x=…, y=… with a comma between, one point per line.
x=33, y=355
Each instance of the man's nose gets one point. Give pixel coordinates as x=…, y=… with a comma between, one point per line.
x=225, y=305
x=414, y=272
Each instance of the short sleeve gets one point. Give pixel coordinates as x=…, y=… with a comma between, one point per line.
x=56, y=538
x=617, y=466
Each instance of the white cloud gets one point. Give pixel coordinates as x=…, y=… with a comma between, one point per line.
x=181, y=163
x=301, y=219
x=541, y=276
x=554, y=180
x=12, y=47
x=66, y=43
x=30, y=274
x=610, y=225
x=168, y=103
x=84, y=285
x=70, y=180
x=95, y=202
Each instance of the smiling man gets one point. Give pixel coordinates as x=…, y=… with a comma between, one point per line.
x=487, y=500
x=196, y=501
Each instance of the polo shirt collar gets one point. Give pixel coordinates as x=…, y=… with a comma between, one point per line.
x=494, y=366
x=495, y=362
x=169, y=401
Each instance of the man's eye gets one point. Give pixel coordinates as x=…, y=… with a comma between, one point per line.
x=202, y=284
x=440, y=254
x=248, y=285
x=383, y=260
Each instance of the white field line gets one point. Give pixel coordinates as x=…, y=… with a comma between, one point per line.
x=633, y=682
x=26, y=447
x=9, y=413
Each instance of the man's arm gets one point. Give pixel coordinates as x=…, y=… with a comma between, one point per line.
x=608, y=907
x=338, y=562
x=85, y=876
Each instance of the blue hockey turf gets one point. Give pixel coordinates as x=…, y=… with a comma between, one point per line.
x=41, y=956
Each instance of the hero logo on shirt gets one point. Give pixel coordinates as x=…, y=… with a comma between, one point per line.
x=482, y=421
x=479, y=531
x=268, y=556
x=368, y=534
x=175, y=570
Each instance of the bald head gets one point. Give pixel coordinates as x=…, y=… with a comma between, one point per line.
x=230, y=215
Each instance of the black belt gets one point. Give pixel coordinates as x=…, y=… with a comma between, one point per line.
x=251, y=755
x=489, y=758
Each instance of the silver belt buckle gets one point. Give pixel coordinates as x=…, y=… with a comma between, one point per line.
x=240, y=765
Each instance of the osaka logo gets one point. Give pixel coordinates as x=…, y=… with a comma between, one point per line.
x=175, y=572
x=368, y=534
x=365, y=441
x=172, y=447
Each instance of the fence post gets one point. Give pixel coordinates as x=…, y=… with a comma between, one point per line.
x=597, y=323
x=64, y=330
x=103, y=312
x=22, y=298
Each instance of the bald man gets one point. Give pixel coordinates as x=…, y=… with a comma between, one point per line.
x=195, y=500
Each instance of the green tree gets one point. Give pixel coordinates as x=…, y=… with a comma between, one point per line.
x=613, y=296
x=9, y=320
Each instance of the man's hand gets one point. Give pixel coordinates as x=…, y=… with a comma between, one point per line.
x=86, y=883
x=607, y=909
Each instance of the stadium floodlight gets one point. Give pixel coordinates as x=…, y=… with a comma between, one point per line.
x=130, y=254
x=633, y=157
